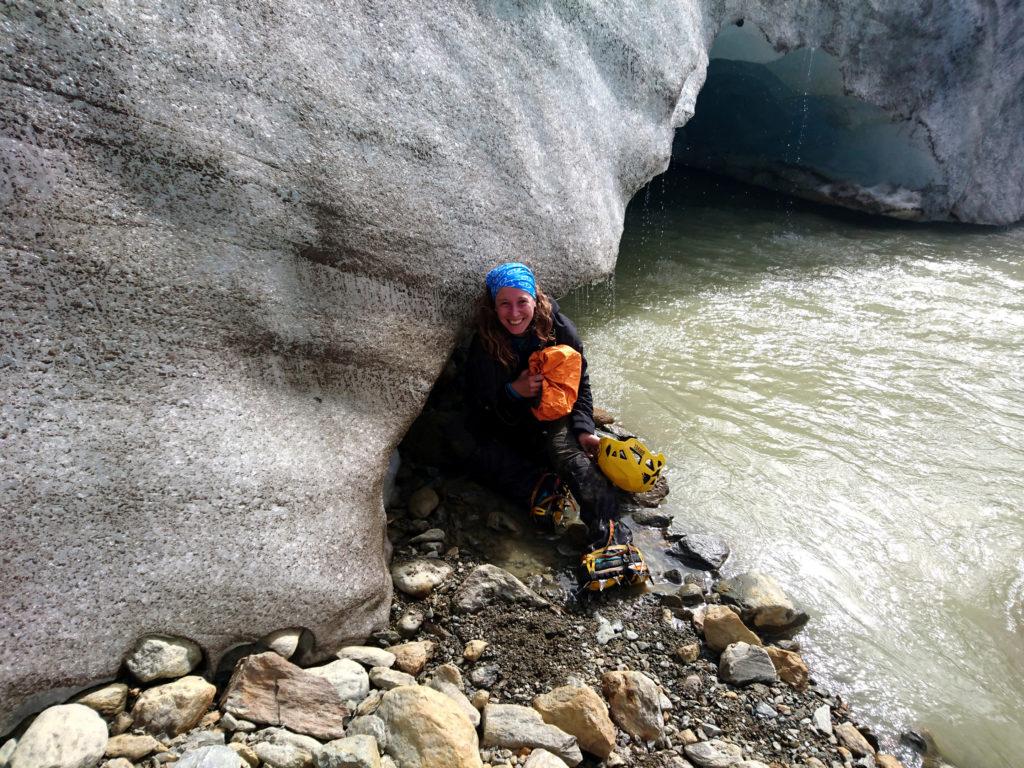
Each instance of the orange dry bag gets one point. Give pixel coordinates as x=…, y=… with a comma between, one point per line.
x=561, y=366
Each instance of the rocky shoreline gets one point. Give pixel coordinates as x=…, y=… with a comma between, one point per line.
x=479, y=668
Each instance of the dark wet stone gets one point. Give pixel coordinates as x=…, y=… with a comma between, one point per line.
x=701, y=550
x=653, y=518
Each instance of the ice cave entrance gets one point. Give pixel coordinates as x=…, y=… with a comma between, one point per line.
x=783, y=121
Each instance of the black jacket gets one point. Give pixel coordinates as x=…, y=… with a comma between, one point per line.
x=495, y=410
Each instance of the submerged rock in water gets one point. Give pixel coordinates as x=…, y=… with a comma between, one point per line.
x=701, y=550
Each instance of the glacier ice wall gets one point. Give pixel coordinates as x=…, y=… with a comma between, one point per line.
x=940, y=78
x=238, y=240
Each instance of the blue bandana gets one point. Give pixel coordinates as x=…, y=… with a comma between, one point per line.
x=511, y=275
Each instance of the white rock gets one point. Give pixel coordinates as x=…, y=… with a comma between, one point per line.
x=419, y=577
x=285, y=737
x=368, y=725
x=283, y=755
x=715, y=753
x=157, y=657
x=511, y=726
x=358, y=751
x=822, y=719
x=541, y=758
x=211, y=757
x=348, y=677
x=65, y=736
x=6, y=751
x=367, y=655
x=386, y=679
x=283, y=642
x=109, y=700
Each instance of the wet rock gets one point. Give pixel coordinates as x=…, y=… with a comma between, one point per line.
x=541, y=758
x=511, y=726
x=211, y=757
x=690, y=594
x=368, y=725
x=427, y=729
x=722, y=628
x=283, y=642
x=132, y=747
x=348, y=677
x=173, y=708
x=157, y=657
x=635, y=703
x=385, y=679
x=367, y=655
x=673, y=576
x=790, y=667
x=655, y=496
x=579, y=711
x=266, y=688
x=418, y=578
x=423, y=502
x=487, y=584
x=356, y=751
x=474, y=650
x=652, y=517
x=764, y=606
x=412, y=657
x=715, y=753
x=410, y=622
x=848, y=735
x=701, y=550
x=109, y=700
x=64, y=736
x=743, y=664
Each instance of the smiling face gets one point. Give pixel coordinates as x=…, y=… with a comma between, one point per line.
x=515, y=310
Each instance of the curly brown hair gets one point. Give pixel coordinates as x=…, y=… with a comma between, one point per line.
x=496, y=339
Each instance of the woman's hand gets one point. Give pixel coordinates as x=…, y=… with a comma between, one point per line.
x=527, y=386
x=589, y=443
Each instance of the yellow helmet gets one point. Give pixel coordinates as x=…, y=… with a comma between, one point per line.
x=629, y=464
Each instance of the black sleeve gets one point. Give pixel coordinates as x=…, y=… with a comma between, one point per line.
x=485, y=392
x=582, y=417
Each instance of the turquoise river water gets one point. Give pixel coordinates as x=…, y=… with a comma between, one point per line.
x=843, y=399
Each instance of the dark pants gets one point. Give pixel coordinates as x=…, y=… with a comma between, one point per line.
x=515, y=465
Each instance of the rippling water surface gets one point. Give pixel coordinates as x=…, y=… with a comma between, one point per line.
x=843, y=399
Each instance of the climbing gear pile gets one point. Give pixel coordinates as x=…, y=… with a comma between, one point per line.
x=613, y=560
x=552, y=502
x=628, y=463
x=561, y=366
